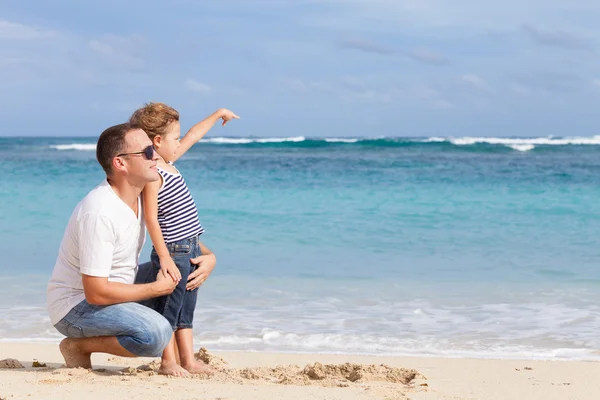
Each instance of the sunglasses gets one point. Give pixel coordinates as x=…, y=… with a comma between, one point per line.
x=148, y=153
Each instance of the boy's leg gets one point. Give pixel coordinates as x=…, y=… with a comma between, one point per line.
x=185, y=334
x=170, y=307
x=185, y=340
x=170, y=361
x=177, y=350
x=125, y=329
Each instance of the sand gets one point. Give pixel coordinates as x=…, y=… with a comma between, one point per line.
x=36, y=371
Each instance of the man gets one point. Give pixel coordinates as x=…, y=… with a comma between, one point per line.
x=91, y=295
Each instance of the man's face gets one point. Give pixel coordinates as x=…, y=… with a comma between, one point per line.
x=139, y=168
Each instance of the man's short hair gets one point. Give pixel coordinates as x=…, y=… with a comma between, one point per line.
x=111, y=143
x=154, y=118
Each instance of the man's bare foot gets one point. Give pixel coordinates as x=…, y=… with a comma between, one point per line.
x=173, y=369
x=199, y=367
x=74, y=358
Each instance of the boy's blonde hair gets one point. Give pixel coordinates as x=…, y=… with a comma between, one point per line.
x=154, y=118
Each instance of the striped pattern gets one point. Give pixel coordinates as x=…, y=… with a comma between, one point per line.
x=177, y=213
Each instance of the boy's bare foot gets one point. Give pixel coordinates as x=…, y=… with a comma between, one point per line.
x=199, y=368
x=173, y=369
x=74, y=358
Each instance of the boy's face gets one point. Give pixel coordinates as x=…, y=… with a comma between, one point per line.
x=170, y=142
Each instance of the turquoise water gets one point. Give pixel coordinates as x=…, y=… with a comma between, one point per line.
x=483, y=247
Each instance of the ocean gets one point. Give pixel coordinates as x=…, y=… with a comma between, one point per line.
x=446, y=247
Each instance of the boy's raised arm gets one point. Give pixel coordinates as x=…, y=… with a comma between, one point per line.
x=198, y=131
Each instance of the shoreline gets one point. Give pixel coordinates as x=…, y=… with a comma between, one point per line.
x=256, y=375
x=451, y=356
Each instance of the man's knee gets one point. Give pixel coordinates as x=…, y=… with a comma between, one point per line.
x=158, y=336
x=151, y=338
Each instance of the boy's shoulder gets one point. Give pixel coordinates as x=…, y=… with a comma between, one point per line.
x=168, y=167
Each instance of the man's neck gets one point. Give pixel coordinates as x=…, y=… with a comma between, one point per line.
x=126, y=192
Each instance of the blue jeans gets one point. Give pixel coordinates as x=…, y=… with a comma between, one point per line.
x=178, y=307
x=138, y=329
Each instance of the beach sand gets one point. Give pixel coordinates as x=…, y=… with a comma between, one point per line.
x=248, y=375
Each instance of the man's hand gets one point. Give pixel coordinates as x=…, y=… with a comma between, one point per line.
x=206, y=264
x=168, y=268
x=163, y=285
x=226, y=115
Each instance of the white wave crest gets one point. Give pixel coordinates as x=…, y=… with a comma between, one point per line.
x=341, y=140
x=434, y=140
x=222, y=140
x=275, y=340
x=227, y=141
x=592, y=140
x=522, y=147
x=280, y=140
x=75, y=146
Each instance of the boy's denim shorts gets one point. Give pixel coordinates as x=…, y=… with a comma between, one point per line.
x=140, y=330
x=178, y=307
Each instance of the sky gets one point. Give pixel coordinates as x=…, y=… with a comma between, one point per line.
x=326, y=68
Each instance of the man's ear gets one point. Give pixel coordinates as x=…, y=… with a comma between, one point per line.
x=118, y=164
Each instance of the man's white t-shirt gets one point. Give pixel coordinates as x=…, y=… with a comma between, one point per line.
x=103, y=238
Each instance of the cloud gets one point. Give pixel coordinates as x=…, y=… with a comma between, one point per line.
x=435, y=18
x=120, y=51
x=432, y=97
x=559, y=38
x=474, y=81
x=295, y=84
x=198, y=87
x=14, y=31
x=443, y=104
x=40, y=61
x=348, y=88
x=546, y=83
x=421, y=55
x=427, y=56
x=357, y=43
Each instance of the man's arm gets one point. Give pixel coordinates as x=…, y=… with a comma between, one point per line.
x=206, y=264
x=100, y=291
x=96, y=248
x=198, y=131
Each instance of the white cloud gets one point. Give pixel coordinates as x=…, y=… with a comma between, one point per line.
x=36, y=58
x=443, y=104
x=520, y=89
x=555, y=38
x=474, y=80
x=368, y=46
x=13, y=30
x=432, y=97
x=425, y=92
x=366, y=96
x=427, y=56
x=348, y=88
x=120, y=51
x=295, y=84
x=199, y=87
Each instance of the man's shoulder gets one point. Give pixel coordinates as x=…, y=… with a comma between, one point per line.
x=100, y=200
